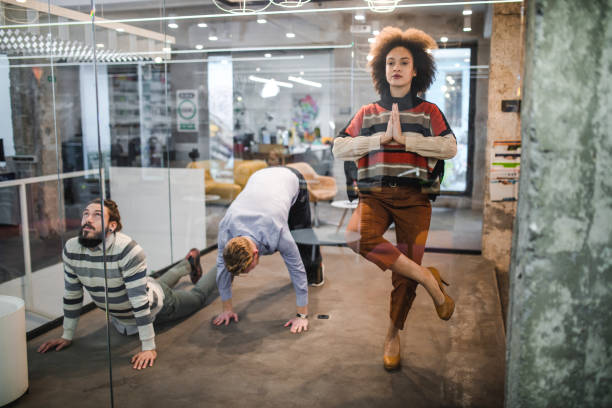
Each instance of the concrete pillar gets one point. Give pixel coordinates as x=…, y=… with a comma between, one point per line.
x=505, y=69
x=559, y=331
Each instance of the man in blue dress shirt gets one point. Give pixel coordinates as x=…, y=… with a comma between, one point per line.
x=258, y=222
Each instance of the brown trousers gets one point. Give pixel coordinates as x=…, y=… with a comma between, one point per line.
x=410, y=210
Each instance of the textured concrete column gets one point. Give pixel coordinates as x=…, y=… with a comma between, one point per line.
x=505, y=69
x=559, y=330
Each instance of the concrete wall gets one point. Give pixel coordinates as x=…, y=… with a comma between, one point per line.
x=504, y=82
x=560, y=336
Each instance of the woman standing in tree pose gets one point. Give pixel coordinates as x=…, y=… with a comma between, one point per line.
x=398, y=144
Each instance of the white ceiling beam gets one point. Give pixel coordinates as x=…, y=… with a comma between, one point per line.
x=83, y=17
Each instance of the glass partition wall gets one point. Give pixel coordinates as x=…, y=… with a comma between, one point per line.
x=161, y=107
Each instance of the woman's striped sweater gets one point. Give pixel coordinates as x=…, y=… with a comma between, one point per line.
x=428, y=139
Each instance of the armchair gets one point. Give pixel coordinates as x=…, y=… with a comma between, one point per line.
x=320, y=188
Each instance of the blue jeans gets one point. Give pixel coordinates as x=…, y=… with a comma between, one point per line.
x=182, y=303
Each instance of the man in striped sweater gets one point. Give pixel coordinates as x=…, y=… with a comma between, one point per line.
x=135, y=300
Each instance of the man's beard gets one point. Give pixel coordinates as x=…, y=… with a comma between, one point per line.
x=90, y=242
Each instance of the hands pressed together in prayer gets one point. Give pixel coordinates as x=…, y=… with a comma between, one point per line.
x=394, y=129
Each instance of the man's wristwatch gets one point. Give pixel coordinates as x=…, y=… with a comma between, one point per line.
x=302, y=315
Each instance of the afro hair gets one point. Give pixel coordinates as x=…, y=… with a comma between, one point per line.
x=417, y=42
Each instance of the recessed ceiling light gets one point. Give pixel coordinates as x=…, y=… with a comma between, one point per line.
x=120, y=30
x=172, y=25
x=466, y=29
x=290, y=35
x=359, y=16
x=21, y=1
x=202, y=25
x=268, y=55
x=199, y=46
x=213, y=38
x=261, y=20
x=467, y=11
x=375, y=32
x=443, y=39
x=257, y=69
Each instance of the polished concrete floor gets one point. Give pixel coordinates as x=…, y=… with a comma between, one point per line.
x=258, y=363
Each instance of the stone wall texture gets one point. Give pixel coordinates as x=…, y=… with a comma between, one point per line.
x=559, y=330
x=505, y=68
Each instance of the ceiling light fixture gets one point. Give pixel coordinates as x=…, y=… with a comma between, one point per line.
x=120, y=30
x=382, y=6
x=241, y=8
x=443, y=39
x=289, y=3
x=359, y=16
x=275, y=12
x=199, y=46
x=264, y=80
x=213, y=38
x=261, y=20
x=267, y=55
x=202, y=25
x=172, y=25
x=270, y=89
x=290, y=35
x=303, y=81
x=467, y=11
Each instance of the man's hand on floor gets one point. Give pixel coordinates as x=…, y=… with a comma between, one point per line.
x=144, y=359
x=58, y=344
x=225, y=317
x=297, y=324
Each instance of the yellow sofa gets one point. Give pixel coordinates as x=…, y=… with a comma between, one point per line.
x=227, y=191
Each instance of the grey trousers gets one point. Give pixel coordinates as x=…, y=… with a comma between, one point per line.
x=182, y=303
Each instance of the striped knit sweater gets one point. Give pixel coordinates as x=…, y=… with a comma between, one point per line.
x=126, y=268
x=428, y=140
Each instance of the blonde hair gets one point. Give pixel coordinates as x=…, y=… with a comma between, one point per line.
x=417, y=42
x=238, y=254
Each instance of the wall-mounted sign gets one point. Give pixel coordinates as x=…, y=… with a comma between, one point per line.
x=187, y=110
